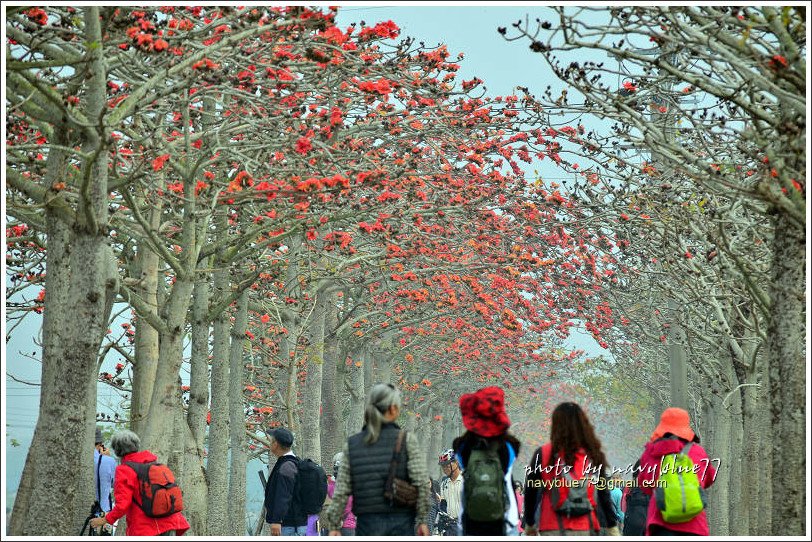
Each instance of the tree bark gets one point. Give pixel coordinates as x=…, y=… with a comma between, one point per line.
x=236, y=486
x=332, y=383
x=357, y=394
x=716, y=441
x=310, y=440
x=199, y=371
x=786, y=340
x=217, y=462
x=147, y=340
x=75, y=319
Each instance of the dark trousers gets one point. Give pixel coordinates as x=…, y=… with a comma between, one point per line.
x=385, y=525
x=659, y=530
x=482, y=528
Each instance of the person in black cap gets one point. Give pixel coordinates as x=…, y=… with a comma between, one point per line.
x=284, y=518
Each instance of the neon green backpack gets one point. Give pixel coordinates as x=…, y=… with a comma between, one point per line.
x=678, y=494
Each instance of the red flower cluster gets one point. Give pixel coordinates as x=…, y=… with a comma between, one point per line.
x=381, y=86
x=386, y=30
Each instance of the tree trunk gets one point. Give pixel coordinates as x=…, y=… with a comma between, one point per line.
x=357, y=395
x=332, y=383
x=370, y=375
x=436, y=446
x=677, y=363
x=199, y=371
x=764, y=495
x=147, y=340
x=786, y=340
x=236, y=486
x=75, y=319
x=738, y=489
x=217, y=461
x=716, y=441
x=310, y=441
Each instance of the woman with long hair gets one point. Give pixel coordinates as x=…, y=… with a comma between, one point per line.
x=573, y=454
x=364, y=470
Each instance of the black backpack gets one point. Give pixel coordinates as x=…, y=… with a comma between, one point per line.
x=634, y=523
x=311, y=487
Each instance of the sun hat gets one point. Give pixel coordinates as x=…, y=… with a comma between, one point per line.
x=483, y=412
x=676, y=421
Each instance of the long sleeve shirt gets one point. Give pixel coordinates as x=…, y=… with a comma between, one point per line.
x=416, y=464
x=104, y=474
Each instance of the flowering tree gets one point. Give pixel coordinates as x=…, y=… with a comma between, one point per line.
x=716, y=96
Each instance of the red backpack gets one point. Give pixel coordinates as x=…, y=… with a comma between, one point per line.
x=159, y=495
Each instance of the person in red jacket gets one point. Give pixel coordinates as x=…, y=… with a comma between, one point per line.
x=126, y=446
x=671, y=436
x=575, y=449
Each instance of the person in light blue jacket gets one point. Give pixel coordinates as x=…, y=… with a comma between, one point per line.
x=104, y=471
x=617, y=496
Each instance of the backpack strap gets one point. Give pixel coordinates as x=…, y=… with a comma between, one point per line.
x=98, y=481
x=393, y=464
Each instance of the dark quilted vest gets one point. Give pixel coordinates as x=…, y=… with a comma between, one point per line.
x=369, y=465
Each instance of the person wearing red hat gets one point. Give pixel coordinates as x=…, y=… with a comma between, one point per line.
x=573, y=448
x=486, y=420
x=669, y=437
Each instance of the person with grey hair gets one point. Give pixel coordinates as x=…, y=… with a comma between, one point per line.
x=127, y=446
x=368, y=457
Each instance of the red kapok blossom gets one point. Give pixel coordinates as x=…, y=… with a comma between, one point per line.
x=303, y=145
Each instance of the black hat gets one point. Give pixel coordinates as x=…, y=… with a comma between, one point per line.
x=99, y=437
x=283, y=437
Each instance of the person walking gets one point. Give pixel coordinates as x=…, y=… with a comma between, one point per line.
x=673, y=435
x=616, y=490
x=573, y=448
x=282, y=514
x=103, y=473
x=450, y=492
x=127, y=446
x=434, y=505
x=370, y=455
x=518, y=489
x=348, y=523
x=636, y=507
x=486, y=452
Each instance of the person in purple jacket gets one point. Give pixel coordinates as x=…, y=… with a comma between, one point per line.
x=348, y=526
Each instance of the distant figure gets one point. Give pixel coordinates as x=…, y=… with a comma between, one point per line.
x=617, y=496
x=486, y=452
x=103, y=473
x=368, y=457
x=674, y=435
x=518, y=490
x=450, y=493
x=348, y=524
x=128, y=494
x=281, y=512
x=434, y=505
x=636, y=507
x=558, y=465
